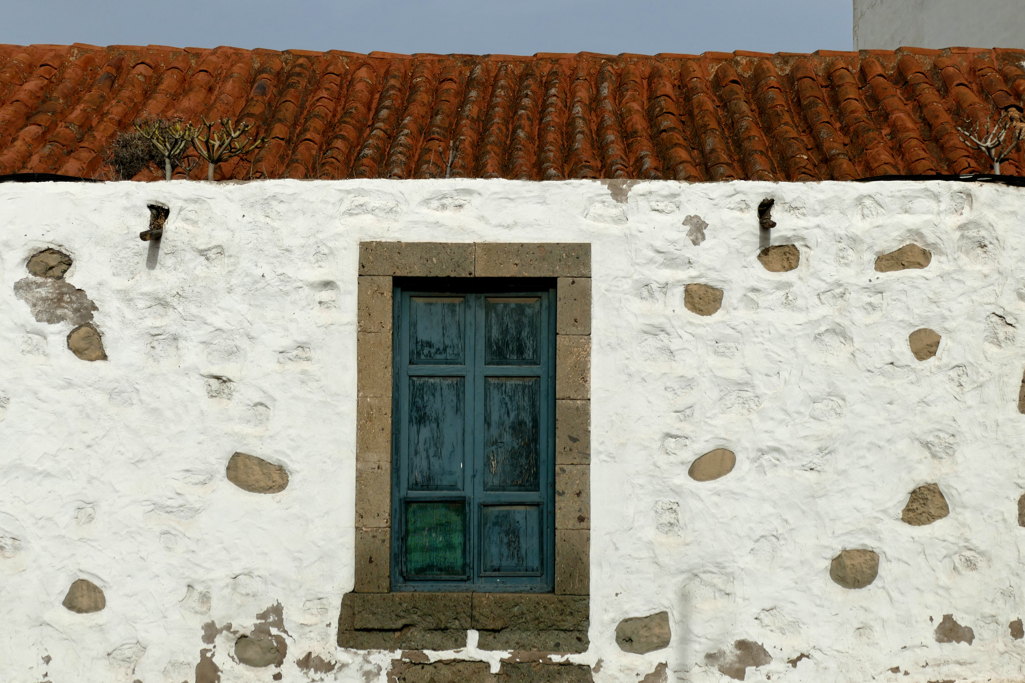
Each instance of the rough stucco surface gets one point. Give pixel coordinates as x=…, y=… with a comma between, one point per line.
x=240, y=336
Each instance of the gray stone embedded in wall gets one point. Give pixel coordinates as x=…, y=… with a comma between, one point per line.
x=256, y=475
x=702, y=299
x=780, y=258
x=907, y=257
x=1021, y=510
x=1017, y=629
x=713, y=465
x=641, y=635
x=924, y=343
x=54, y=301
x=855, y=568
x=86, y=342
x=49, y=263
x=926, y=504
x=260, y=650
x=84, y=597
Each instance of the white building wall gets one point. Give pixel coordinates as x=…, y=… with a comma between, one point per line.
x=937, y=24
x=114, y=470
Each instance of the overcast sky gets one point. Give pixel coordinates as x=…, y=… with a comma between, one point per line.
x=441, y=26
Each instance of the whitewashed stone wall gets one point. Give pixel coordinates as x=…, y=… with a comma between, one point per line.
x=239, y=335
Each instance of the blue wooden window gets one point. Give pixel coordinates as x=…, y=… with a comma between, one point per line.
x=473, y=432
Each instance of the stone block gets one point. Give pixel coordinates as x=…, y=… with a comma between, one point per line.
x=908, y=256
x=373, y=560
x=85, y=342
x=417, y=259
x=713, y=465
x=374, y=364
x=926, y=504
x=572, y=432
x=573, y=312
x=924, y=343
x=573, y=367
x=373, y=429
x=780, y=258
x=49, y=263
x=641, y=635
x=256, y=475
x=373, y=494
x=855, y=568
x=702, y=299
x=84, y=597
x=445, y=671
x=572, y=562
x=374, y=304
x=537, y=672
x=396, y=611
x=572, y=497
x=530, y=612
x=533, y=260
x=406, y=639
x=534, y=641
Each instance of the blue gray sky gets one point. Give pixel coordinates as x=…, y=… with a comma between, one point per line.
x=440, y=26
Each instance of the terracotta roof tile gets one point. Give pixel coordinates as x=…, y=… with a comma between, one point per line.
x=711, y=117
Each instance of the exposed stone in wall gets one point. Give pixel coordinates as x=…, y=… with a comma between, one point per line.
x=86, y=343
x=908, y=256
x=854, y=568
x=260, y=650
x=743, y=654
x=949, y=631
x=712, y=465
x=780, y=258
x=925, y=505
x=702, y=299
x=1017, y=629
x=644, y=634
x=659, y=675
x=49, y=263
x=84, y=597
x=924, y=343
x=55, y=301
x=256, y=475
x=1021, y=510
x=1021, y=395
x=315, y=664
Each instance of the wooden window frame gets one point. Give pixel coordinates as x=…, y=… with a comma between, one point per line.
x=374, y=617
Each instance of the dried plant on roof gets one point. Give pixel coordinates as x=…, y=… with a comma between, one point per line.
x=170, y=138
x=224, y=143
x=129, y=153
x=997, y=140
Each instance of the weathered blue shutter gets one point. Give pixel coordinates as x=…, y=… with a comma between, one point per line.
x=473, y=499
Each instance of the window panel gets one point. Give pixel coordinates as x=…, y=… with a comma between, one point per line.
x=512, y=330
x=511, y=539
x=435, y=540
x=436, y=330
x=436, y=429
x=511, y=433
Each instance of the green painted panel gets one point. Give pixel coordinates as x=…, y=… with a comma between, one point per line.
x=435, y=541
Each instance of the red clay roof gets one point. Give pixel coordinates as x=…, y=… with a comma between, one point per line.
x=710, y=117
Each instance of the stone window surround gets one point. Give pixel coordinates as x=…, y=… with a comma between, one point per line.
x=372, y=617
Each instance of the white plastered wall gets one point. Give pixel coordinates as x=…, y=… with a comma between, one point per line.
x=114, y=471
x=938, y=24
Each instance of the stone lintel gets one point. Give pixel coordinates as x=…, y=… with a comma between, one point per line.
x=417, y=259
x=533, y=260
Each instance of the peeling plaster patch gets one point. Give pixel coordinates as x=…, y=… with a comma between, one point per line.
x=941, y=445
x=55, y=301
x=774, y=620
x=312, y=663
x=659, y=675
x=206, y=670
x=125, y=658
x=696, y=233
x=797, y=660
x=196, y=601
x=744, y=654
x=300, y=354
x=949, y=631
x=609, y=213
x=827, y=409
x=1000, y=332
x=219, y=387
